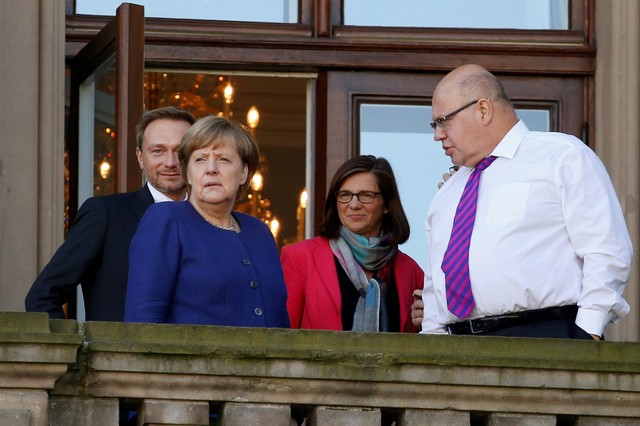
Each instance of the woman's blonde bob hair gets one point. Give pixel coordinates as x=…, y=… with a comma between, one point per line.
x=213, y=129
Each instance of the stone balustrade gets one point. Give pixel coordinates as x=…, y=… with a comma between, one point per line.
x=62, y=373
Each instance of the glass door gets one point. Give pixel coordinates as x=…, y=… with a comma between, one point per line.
x=106, y=103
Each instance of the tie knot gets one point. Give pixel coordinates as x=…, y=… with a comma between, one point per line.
x=486, y=162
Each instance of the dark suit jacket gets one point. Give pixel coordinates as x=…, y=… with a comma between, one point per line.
x=95, y=255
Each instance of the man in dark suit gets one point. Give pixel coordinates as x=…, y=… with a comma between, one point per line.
x=95, y=253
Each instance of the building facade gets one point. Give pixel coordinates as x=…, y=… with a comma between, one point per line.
x=584, y=79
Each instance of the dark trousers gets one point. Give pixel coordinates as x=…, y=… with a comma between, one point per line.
x=556, y=328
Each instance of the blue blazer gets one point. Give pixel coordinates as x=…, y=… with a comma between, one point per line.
x=93, y=255
x=183, y=270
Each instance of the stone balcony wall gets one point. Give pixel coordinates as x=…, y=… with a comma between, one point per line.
x=59, y=373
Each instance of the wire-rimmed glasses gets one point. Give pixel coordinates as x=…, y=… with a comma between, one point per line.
x=440, y=121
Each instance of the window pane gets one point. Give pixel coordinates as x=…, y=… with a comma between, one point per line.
x=514, y=14
x=104, y=143
x=536, y=119
x=279, y=11
x=97, y=149
x=401, y=134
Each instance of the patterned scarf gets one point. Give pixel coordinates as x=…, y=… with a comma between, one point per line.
x=355, y=252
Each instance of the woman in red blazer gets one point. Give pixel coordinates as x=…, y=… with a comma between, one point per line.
x=352, y=276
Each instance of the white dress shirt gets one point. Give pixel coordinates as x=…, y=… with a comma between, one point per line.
x=159, y=197
x=549, y=232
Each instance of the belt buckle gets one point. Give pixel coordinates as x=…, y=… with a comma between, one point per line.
x=473, y=331
x=489, y=323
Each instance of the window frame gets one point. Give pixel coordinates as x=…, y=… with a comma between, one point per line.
x=321, y=44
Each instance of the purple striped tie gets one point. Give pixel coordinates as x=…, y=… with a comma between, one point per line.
x=455, y=263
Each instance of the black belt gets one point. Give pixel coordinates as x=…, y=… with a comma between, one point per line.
x=497, y=322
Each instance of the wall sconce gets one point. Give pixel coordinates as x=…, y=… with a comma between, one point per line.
x=301, y=215
x=105, y=168
x=253, y=118
x=228, y=99
x=274, y=226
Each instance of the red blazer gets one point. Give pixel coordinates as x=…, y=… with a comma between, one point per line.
x=314, y=299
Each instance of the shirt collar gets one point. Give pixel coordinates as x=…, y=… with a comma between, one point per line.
x=159, y=197
x=511, y=141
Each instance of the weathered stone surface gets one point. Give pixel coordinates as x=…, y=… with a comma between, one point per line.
x=34, y=353
x=352, y=416
x=15, y=417
x=516, y=419
x=83, y=412
x=606, y=421
x=416, y=378
x=162, y=412
x=22, y=406
x=240, y=414
x=434, y=418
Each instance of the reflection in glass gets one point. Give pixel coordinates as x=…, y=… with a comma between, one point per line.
x=402, y=135
x=278, y=11
x=97, y=143
x=515, y=14
x=104, y=139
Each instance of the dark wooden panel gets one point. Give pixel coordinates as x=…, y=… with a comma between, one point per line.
x=316, y=45
x=129, y=88
x=564, y=97
x=299, y=59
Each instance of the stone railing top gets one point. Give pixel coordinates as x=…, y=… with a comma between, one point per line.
x=34, y=351
x=21, y=327
x=363, y=349
x=314, y=367
x=304, y=368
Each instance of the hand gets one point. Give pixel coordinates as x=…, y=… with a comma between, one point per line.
x=595, y=337
x=446, y=176
x=417, y=309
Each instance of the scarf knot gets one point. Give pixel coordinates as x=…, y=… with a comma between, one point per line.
x=356, y=253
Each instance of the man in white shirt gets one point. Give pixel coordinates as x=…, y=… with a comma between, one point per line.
x=95, y=253
x=550, y=252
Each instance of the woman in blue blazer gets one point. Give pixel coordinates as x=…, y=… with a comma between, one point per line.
x=200, y=262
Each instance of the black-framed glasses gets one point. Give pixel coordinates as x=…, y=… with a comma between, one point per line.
x=440, y=121
x=365, y=197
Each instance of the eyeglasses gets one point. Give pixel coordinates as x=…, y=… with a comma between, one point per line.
x=365, y=197
x=440, y=121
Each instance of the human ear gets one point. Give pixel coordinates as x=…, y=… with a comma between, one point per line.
x=245, y=174
x=139, y=156
x=486, y=108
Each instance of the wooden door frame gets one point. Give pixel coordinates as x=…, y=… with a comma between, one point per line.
x=340, y=95
x=122, y=37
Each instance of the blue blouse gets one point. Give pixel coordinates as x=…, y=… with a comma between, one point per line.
x=183, y=270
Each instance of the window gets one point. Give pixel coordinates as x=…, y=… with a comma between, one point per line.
x=401, y=134
x=545, y=56
x=514, y=14
x=282, y=11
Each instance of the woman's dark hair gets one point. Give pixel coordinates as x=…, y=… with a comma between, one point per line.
x=394, y=222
